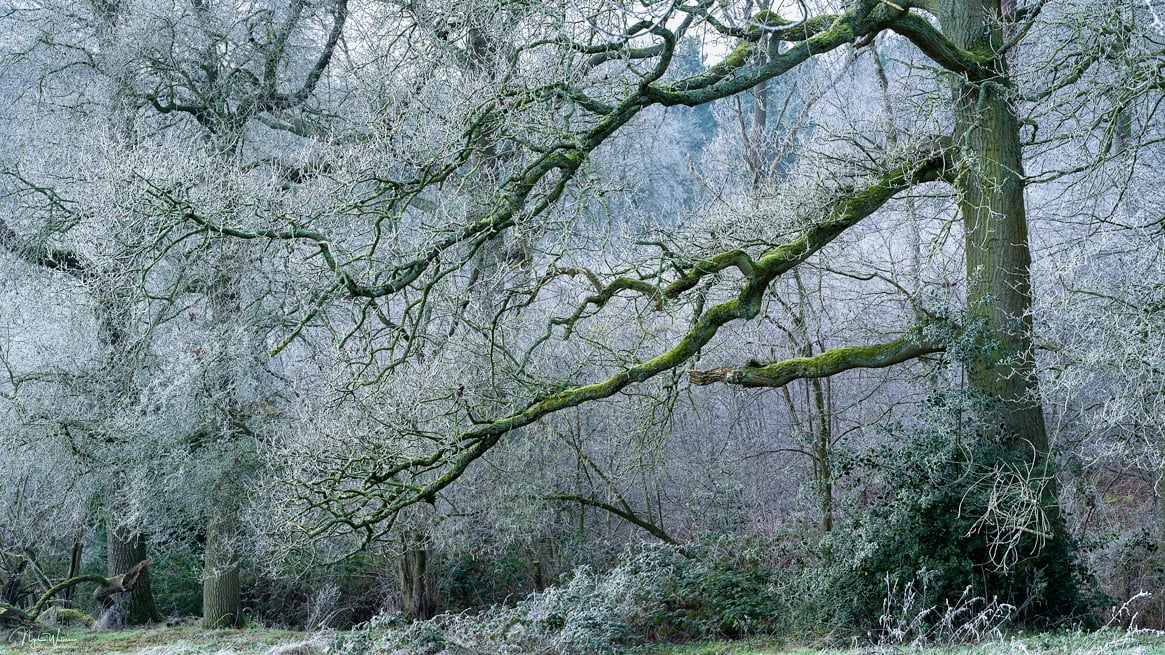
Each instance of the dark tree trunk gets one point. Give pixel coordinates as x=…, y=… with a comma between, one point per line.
x=416, y=601
x=74, y=569
x=125, y=548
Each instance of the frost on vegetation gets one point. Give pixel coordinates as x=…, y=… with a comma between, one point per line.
x=985, y=626
x=907, y=621
x=590, y=613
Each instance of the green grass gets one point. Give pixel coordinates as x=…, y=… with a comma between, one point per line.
x=191, y=640
x=1107, y=642
x=182, y=640
x=750, y=647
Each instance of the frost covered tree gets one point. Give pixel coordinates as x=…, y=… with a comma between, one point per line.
x=450, y=162
x=83, y=413
x=488, y=214
x=126, y=91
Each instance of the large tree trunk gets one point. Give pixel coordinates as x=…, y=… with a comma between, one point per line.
x=125, y=548
x=417, y=601
x=998, y=258
x=991, y=202
x=222, y=605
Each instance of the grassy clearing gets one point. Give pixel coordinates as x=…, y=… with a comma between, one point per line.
x=182, y=640
x=191, y=640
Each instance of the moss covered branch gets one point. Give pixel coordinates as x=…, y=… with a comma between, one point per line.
x=47, y=596
x=915, y=343
x=106, y=588
x=382, y=494
x=976, y=66
x=13, y=614
x=606, y=293
x=741, y=71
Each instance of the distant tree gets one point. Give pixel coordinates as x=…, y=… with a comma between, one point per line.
x=122, y=79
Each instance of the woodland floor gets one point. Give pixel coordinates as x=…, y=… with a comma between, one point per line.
x=190, y=640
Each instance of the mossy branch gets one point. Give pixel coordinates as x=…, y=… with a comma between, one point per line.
x=941, y=49
x=105, y=588
x=382, y=495
x=738, y=259
x=11, y=613
x=739, y=71
x=47, y=596
x=910, y=346
x=70, y=614
x=600, y=299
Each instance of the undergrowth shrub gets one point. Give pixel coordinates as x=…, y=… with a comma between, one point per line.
x=948, y=516
x=1129, y=561
x=723, y=586
x=467, y=580
x=338, y=596
x=714, y=588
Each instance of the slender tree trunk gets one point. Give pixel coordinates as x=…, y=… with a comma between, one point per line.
x=124, y=549
x=817, y=420
x=821, y=423
x=70, y=594
x=222, y=605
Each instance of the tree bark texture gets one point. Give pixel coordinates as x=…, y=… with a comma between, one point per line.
x=125, y=549
x=417, y=602
x=222, y=605
x=998, y=257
